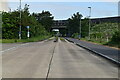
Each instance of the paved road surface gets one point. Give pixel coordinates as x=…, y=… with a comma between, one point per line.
x=6, y=46
x=107, y=51
x=54, y=60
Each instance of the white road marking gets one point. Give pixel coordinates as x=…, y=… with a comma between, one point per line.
x=13, y=47
x=67, y=41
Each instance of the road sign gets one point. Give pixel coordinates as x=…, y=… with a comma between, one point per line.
x=28, y=27
x=28, y=34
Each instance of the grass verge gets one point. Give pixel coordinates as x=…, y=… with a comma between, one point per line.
x=34, y=39
x=51, y=38
x=110, y=44
x=62, y=39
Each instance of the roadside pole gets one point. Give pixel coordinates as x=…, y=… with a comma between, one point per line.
x=89, y=21
x=28, y=33
x=80, y=29
x=20, y=22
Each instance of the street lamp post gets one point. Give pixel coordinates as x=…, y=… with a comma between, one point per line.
x=89, y=21
x=20, y=22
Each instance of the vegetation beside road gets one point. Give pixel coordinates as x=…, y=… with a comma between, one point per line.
x=110, y=43
x=40, y=24
x=34, y=39
x=56, y=39
x=105, y=34
x=74, y=24
x=62, y=39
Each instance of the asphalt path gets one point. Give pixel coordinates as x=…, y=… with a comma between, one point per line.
x=48, y=59
x=107, y=51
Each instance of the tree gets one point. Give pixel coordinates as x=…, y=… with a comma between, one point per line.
x=74, y=24
x=85, y=27
x=116, y=37
x=45, y=18
x=11, y=23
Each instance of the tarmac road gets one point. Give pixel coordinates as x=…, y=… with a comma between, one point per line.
x=112, y=53
x=48, y=59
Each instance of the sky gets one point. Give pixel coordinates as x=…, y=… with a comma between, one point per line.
x=64, y=10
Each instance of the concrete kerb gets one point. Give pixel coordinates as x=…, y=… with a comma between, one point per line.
x=93, y=51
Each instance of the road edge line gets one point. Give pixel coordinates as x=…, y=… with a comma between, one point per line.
x=14, y=47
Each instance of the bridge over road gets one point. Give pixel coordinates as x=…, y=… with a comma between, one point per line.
x=61, y=25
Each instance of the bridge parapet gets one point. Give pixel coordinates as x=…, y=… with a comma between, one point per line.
x=59, y=27
x=60, y=24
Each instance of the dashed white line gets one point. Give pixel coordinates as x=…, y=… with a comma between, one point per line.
x=67, y=41
x=14, y=47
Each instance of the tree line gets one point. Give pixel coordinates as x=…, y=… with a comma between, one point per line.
x=78, y=27
x=40, y=23
x=105, y=32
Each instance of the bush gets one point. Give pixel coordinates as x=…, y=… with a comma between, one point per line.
x=75, y=35
x=115, y=41
x=116, y=37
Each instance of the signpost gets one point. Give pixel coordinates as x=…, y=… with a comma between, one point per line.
x=28, y=33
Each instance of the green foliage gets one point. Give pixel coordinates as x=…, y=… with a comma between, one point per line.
x=74, y=24
x=75, y=35
x=115, y=41
x=116, y=36
x=11, y=24
x=103, y=31
x=0, y=25
x=33, y=39
x=63, y=32
x=84, y=27
x=62, y=39
x=45, y=18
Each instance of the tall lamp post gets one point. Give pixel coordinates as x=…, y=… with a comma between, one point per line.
x=89, y=21
x=20, y=22
x=80, y=27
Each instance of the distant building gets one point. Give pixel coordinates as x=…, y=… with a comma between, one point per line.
x=107, y=19
x=63, y=23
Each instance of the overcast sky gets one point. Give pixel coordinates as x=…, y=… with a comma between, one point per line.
x=64, y=10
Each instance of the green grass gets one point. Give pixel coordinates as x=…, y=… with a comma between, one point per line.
x=111, y=44
x=62, y=39
x=56, y=38
x=51, y=38
x=0, y=40
x=34, y=39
